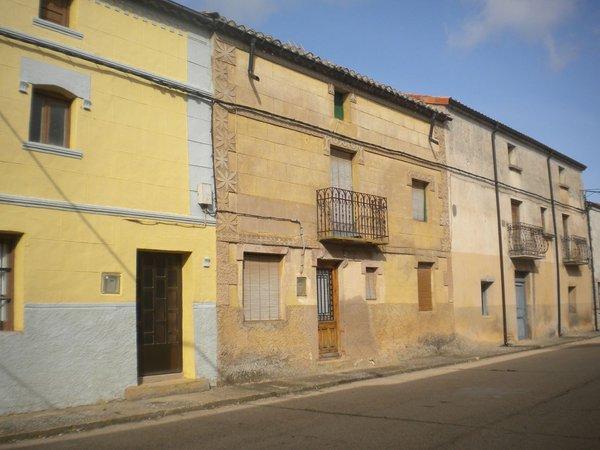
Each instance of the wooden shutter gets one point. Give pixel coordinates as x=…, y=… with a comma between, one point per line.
x=56, y=11
x=424, y=287
x=341, y=169
x=419, y=201
x=514, y=210
x=371, y=283
x=261, y=287
x=49, y=121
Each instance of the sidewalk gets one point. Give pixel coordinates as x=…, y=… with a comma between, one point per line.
x=53, y=422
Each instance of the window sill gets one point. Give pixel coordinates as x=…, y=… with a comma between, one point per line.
x=515, y=168
x=56, y=27
x=52, y=149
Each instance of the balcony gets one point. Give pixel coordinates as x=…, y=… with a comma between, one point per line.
x=526, y=241
x=344, y=215
x=575, y=250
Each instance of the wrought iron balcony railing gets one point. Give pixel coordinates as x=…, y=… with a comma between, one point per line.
x=351, y=216
x=575, y=250
x=526, y=241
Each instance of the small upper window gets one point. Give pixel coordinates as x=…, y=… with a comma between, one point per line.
x=56, y=11
x=49, y=122
x=562, y=177
x=419, y=198
x=513, y=159
x=338, y=105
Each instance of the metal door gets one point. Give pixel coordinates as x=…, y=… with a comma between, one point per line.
x=327, y=311
x=522, y=324
x=159, y=313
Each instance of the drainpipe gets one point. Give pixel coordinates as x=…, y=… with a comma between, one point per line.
x=559, y=324
x=500, y=244
x=588, y=208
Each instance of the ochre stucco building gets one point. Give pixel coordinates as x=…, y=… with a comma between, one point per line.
x=104, y=140
x=530, y=249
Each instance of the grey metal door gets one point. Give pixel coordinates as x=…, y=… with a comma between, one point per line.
x=522, y=325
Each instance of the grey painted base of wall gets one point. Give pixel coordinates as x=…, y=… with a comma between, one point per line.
x=205, y=336
x=68, y=355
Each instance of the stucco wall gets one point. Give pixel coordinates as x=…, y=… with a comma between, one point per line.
x=475, y=250
x=68, y=354
x=144, y=149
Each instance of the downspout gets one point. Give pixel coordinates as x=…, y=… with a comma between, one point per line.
x=500, y=244
x=559, y=323
x=251, y=56
x=588, y=208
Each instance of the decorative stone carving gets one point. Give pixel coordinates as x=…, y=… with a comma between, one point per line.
x=227, y=180
x=223, y=52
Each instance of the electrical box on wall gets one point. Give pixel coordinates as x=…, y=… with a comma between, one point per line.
x=205, y=194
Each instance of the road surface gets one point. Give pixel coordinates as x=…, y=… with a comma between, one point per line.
x=543, y=399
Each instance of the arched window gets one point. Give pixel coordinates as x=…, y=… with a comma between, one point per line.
x=56, y=11
x=50, y=118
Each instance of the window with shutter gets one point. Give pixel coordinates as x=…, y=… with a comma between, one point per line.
x=7, y=243
x=371, y=283
x=338, y=105
x=49, y=121
x=419, y=199
x=56, y=11
x=261, y=287
x=424, y=286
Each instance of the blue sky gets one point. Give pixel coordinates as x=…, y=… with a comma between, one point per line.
x=532, y=64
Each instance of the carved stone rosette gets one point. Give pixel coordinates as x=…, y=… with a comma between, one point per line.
x=224, y=156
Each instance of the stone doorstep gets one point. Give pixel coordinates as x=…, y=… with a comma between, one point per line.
x=165, y=387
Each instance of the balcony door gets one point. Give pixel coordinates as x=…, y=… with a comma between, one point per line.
x=342, y=213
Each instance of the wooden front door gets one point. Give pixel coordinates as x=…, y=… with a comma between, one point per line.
x=327, y=310
x=159, y=313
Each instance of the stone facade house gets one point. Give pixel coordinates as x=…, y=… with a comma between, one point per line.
x=519, y=232
x=333, y=242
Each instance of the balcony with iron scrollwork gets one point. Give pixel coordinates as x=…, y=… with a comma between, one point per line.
x=526, y=241
x=575, y=250
x=344, y=215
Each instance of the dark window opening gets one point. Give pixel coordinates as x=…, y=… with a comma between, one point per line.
x=338, y=105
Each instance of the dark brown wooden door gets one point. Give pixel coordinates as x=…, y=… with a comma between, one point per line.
x=327, y=310
x=159, y=313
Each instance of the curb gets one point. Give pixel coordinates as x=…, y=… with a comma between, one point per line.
x=360, y=376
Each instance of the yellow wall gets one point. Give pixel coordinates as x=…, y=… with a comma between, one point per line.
x=135, y=155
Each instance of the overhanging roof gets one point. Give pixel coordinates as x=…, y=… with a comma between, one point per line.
x=452, y=103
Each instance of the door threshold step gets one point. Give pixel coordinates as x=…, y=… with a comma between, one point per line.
x=166, y=387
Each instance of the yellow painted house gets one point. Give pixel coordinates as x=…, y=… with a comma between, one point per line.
x=105, y=178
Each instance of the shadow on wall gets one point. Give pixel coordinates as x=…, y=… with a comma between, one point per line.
x=64, y=196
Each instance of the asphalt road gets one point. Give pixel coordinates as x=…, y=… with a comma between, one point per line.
x=547, y=399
